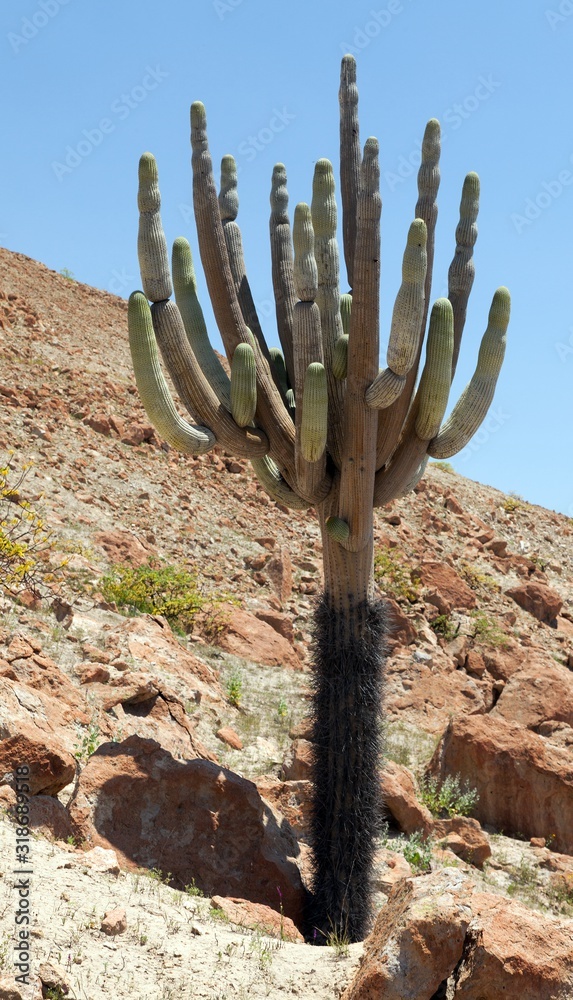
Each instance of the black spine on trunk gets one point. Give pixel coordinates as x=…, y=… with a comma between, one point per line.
x=348, y=663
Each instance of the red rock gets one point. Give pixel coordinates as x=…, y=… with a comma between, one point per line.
x=475, y=663
x=540, y=692
x=51, y=767
x=390, y=868
x=258, y=917
x=244, y=635
x=446, y=589
x=123, y=547
x=194, y=819
x=541, y=601
x=230, y=737
x=90, y=673
x=401, y=627
x=297, y=763
x=279, y=571
x=114, y=922
x=291, y=798
x=54, y=979
x=302, y=730
x=280, y=622
x=438, y=922
x=465, y=838
x=99, y=423
x=19, y=649
x=400, y=798
x=524, y=784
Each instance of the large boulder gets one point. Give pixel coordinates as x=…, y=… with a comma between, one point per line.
x=541, y=601
x=524, y=783
x=400, y=799
x=245, y=635
x=438, y=933
x=446, y=589
x=540, y=692
x=50, y=767
x=194, y=820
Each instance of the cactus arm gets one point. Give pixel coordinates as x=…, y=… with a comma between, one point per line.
x=385, y=389
x=313, y=483
x=435, y=382
x=185, y=287
x=462, y=268
x=350, y=159
x=243, y=385
x=152, y=387
x=272, y=414
x=324, y=220
x=282, y=264
x=345, y=312
x=275, y=485
x=314, y=424
x=279, y=369
x=426, y=411
x=358, y=459
x=391, y=421
x=151, y=243
x=406, y=328
x=194, y=389
x=340, y=357
x=476, y=398
x=228, y=209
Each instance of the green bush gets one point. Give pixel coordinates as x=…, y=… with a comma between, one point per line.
x=25, y=541
x=444, y=626
x=393, y=576
x=487, y=631
x=450, y=798
x=155, y=589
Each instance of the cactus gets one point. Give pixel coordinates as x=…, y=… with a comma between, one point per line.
x=322, y=426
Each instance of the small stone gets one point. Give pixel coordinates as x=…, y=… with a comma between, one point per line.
x=114, y=922
x=230, y=737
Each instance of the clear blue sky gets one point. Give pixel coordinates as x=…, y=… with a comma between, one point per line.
x=110, y=80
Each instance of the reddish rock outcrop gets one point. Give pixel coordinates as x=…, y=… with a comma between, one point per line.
x=541, y=601
x=524, y=784
x=464, y=837
x=400, y=799
x=258, y=917
x=123, y=547
x=541, y=692
x=50, y=766
x=439, y=923
x=247, y=636
x=446, y=589
x=297, y=763
x=193, y=819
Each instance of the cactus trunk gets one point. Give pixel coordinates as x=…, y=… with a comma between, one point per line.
x=349, y=626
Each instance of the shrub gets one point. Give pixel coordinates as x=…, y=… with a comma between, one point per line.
x=234, y=686
x=450, y=798
x=443, y=466
x=393, y=576
x=416, y=850
x=24, y=538
x=155, y=589
x=487, y=631
x=444, y=626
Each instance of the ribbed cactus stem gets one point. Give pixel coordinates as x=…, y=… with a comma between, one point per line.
x=405, y=331
x=305, y=270
x=340, y=357
x=152, y=387
x=228, y=194
x=434, y=387
x=151, y=242
x=476, y=398
x=462, y=269
x=243, y=385
x=282, y=261
x=350, y=159
x=314, y=424
x=279, y=368
x=185, y=286
x=275, y=485
x=385, y=389
x=345, y=311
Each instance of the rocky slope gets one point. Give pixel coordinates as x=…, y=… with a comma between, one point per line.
x=479, y=686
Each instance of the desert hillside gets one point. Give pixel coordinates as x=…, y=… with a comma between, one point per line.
x=168, y=764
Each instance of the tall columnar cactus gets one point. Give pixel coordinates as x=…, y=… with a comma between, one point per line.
x=324, y=428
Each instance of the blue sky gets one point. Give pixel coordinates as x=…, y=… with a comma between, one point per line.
x=89, y=86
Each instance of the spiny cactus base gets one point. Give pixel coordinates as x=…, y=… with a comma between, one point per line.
x=348, y=661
